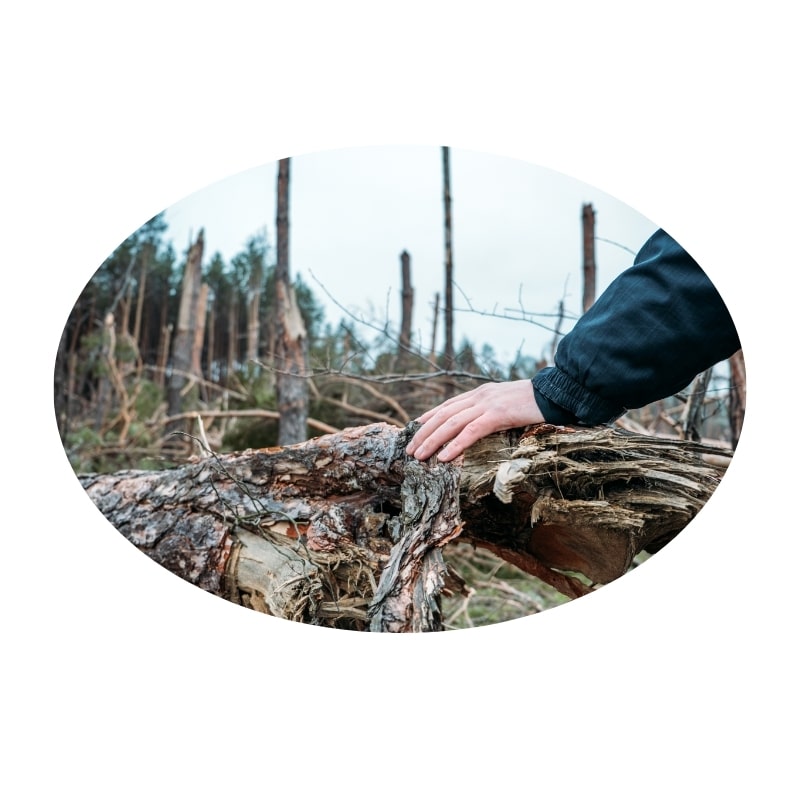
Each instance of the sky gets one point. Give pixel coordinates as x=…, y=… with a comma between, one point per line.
x=118, y=111
x=516, y=236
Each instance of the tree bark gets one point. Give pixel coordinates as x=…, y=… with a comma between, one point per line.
x=738, y=396
x=346, y=531
x=232, y=359
x=163, y=354
x=434, y=326
x=692, y=416
x=253, y=311
x=449, y=346
x=199, y=330
x=107, y=354
x=184, y=330
x=212, y=371
x=147, y=255
x=406, y=308
x=291, y=341
x=589, y=264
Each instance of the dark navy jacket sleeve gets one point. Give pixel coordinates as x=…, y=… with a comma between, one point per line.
x=660, y=323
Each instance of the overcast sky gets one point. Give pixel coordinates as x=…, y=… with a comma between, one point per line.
x=517, y=236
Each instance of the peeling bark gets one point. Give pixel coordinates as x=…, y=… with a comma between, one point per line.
x=345, y=531
x=414, y=576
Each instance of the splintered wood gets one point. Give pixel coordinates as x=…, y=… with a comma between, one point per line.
x=346, y=531
x=407, y=598
x=585, y=501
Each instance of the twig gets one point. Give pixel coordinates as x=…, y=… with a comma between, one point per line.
x=248, y=412
x=202, y=434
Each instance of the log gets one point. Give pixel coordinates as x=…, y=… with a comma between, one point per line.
x=346, y=531
x=586, y=501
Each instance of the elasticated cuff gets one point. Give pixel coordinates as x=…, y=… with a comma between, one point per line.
x=567, y=402
x=552, y=413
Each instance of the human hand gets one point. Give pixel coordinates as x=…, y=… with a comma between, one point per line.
x=470, y=416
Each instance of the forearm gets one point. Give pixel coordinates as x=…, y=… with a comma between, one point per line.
x=657, y=325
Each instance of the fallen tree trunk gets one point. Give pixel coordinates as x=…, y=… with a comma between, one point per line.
x=346, y=531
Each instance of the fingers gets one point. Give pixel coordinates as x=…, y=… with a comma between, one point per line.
x=457, y=424
x=461, y=421
x=460, y=399
x=441, y=423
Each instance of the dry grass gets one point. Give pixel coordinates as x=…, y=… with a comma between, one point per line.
x=498, y=591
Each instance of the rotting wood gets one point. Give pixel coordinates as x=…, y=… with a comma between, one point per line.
x=587, y=501
x=345, y=531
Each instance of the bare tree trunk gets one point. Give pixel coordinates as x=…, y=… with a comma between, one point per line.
x=164, y=344
x=147, y=252
x=589, y=265
x=62, y=385
x=211, y=350
x=738, y=396
x=557, y=331
x=184, y=332
x=199, y=332
x=291, y=342
x=692, y=417
x=346, y=531
x=125, y=309
x=253, y=306
x=104, y=381
x=449, y=347
x=233, y=337
x=407, y=308
x=163, y=354
x=434, y=325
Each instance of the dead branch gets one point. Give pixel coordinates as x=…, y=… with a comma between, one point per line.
x=262, y=413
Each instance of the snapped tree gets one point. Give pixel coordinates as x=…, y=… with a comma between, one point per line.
x=346, y=531
x=291, y=341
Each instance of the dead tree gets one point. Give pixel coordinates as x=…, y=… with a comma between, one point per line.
x=199, y=333
x=406, y=307
x=346, y=531
x=291, y=341
x=589, y=264
x=449, y=346
x=254, y=290
x=738, y=396
x=147, y=250
x=107, y=354
x=183, y=343
x=434, y=325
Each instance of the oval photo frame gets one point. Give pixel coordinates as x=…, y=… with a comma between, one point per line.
x=245, y=410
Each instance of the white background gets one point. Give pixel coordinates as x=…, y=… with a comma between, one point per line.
x=123, y=681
